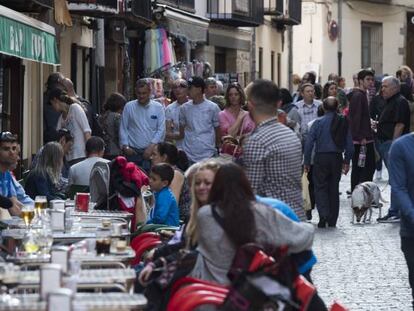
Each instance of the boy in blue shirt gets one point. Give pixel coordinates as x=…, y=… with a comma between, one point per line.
x=165, y=211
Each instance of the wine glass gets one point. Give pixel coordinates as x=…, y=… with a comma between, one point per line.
x=28, y=213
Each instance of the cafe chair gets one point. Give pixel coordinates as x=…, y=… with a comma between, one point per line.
x=338, y=307
x=194, y=295
x=143, y=236
x=146, y=245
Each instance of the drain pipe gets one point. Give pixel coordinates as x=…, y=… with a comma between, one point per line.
x=340, y=38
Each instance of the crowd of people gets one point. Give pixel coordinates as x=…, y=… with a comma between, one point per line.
x=229, y=167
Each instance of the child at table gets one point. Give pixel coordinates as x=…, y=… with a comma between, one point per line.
x=165, y=211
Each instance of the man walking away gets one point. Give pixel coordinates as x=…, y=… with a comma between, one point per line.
x=331, y=137
x=402, y=192
x=273, y=153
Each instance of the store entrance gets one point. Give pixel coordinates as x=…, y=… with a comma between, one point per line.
x=11, y=97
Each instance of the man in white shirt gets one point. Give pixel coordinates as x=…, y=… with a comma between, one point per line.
x=199, y=123
x=80, y=172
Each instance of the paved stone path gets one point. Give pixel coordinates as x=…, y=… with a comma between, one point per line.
x=361, y=266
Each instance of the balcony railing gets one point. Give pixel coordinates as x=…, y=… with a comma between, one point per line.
x=94, y=7
x=236, y=12
x=28, y=5
x=186, y=5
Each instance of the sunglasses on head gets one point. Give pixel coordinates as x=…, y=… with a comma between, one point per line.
x=7, y=135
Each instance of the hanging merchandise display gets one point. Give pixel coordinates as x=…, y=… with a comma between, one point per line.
x=158, y=51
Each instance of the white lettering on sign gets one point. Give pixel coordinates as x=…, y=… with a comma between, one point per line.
x=16, y=39
x=38, y=46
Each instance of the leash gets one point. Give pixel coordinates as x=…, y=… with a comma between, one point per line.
x=386, y=185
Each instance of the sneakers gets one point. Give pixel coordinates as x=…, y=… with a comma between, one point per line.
x=389, y=219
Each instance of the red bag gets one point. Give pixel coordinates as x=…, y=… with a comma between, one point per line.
x=231, y=146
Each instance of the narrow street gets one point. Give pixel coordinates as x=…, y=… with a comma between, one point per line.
x=361, y=266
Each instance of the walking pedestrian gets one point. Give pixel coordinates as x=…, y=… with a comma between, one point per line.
x=272, y=154
x=360, y=125
x=402, y=195
x=330, y=136
x=307, y=108
x=142, y=126
x=394, y=122
x=110, y=121
x=73, y=118
x=199, y=123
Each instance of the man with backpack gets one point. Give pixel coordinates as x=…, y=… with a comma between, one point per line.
x=330, y=136
x=87, y=106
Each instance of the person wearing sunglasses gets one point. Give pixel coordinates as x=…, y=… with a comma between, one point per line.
x=172, y=112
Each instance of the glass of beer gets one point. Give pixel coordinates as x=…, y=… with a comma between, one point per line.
x=40, y=204
x=28, y=213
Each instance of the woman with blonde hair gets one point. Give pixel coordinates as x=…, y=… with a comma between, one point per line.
x=45, y=177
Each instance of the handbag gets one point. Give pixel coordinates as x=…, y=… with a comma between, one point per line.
x=231, y=145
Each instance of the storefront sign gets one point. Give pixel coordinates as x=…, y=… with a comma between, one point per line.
x=24, y=41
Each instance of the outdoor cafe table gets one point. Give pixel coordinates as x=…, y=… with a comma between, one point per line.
x=60, y=236
x=87, y=279
x=84, y=302
x=114, y=258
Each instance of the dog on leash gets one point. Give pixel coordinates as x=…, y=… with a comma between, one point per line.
x=365, y=196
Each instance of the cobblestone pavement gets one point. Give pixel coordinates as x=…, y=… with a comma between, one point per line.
x=361, y=266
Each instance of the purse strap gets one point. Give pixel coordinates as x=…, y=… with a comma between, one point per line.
x=217, y=217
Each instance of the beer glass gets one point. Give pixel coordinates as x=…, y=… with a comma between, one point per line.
x=40, y=204
x=28, y=213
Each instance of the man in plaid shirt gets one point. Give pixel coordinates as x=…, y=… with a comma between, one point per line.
x=272, y=155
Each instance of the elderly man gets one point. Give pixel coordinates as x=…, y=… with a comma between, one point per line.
x=142, y=126
x=393, y=122
x=307, y=107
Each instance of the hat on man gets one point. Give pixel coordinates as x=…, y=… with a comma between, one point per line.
x=196, y=82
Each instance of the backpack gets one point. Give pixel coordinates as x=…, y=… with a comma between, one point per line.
x=93, y=119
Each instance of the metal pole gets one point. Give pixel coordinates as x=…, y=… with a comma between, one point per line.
x=340, y=38
x=290, y=57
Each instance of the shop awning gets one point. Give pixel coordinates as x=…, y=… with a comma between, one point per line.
x=27, y=38
x=186, y=25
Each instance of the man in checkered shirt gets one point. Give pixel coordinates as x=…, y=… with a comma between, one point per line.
x=272, y=155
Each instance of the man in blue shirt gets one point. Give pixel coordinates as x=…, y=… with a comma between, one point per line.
x=9, y=187
x=142, y=126
x=401, y=171
x=330, y=136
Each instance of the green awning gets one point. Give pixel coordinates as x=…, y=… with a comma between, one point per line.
x=27, y=38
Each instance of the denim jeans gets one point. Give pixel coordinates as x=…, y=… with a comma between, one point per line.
x=384, y=151
x=139, y=160
x=407, y=247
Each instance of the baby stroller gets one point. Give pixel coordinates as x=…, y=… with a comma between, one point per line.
x=117, y=185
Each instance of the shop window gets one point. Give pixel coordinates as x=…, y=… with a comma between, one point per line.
x=371, y=46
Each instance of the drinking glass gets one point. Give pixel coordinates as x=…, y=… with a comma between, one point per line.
x=28, y=213
x=40, y=204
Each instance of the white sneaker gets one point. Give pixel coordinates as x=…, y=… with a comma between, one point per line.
x=378, y=175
